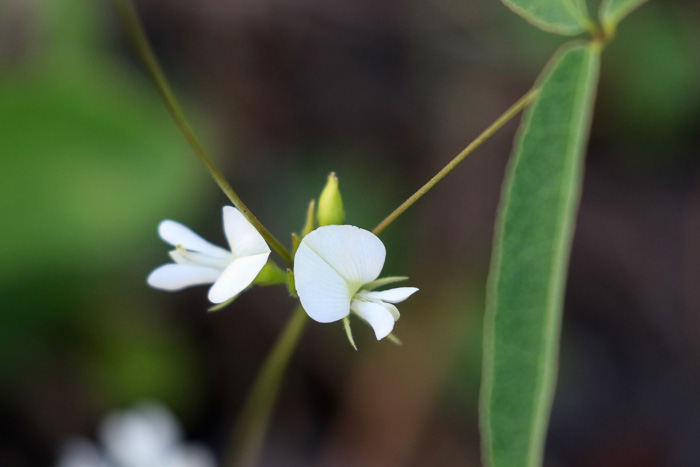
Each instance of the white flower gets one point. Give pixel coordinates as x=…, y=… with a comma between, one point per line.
x=199, y=262
x=146, y=436
x=333, y=267
x=79, y=452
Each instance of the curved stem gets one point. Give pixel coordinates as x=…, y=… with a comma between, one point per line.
x=249, y=432
x=486, y=134
x=137, y=36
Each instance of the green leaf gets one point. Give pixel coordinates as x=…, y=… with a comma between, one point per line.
x=567, y=17
x=613, y=11
x=531, y=252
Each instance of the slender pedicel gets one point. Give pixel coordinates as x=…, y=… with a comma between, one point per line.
x=142, y=47
x=249, y=432
x=486, y=134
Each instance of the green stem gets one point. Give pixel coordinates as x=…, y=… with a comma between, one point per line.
x=250, y=428
x=137, y=36
x=486, y=134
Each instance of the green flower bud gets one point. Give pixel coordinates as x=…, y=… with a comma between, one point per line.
x=330, y=204
x=296, y=240
x=309, y=224
x=291, y=287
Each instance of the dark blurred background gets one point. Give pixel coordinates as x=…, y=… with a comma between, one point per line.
x=384, y=94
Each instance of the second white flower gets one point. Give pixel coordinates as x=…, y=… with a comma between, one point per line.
x=196, y=261
x=332, y=268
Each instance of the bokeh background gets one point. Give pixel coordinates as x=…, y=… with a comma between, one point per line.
x=384, y=94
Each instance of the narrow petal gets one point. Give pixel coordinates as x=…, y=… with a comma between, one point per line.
x=378, y=316
x=192, y=257
x=354, y=253
x=236, y=277
x=179, y=258
x=242, y=237
x=179, y=276
x=397, y=295
x=175, y=234
x=392, y=309
x=324, y=294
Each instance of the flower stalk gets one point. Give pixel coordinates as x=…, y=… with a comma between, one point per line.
x=486, y=134
x=249, y=432
x=142, y=47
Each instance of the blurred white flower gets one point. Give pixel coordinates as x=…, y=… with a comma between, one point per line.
x=197, y=262
x=79, y=452
x=333, y=267
x=146, y=436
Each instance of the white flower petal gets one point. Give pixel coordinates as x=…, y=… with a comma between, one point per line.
x=378, y=316
x=175, y=234
x=323, y=293
x=236, y=277
x=189, y=455
x=397, y=295
x=242, y=237
x=179, y=258
x=354, y=253
x=179, y=276
x=141, y=436
x=200, y=259
x=80, y=452
x=392, y=309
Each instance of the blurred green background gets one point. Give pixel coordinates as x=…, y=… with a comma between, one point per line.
x=384, y=94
